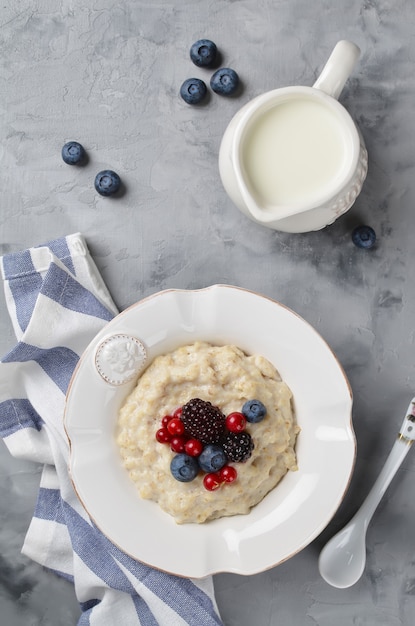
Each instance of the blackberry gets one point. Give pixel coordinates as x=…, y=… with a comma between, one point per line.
x=238, y=446
x=203, y=421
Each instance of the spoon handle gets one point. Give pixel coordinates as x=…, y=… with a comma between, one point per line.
x=396, y=456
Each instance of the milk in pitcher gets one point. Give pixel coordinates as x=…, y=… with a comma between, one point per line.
x=295, y=153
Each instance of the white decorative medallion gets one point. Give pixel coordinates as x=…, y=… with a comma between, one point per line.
x=120, y=358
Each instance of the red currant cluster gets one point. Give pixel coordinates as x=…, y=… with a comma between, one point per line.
x=213, y=480
x=173, y=432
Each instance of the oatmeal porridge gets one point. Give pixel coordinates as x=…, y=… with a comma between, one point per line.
x=227, y=378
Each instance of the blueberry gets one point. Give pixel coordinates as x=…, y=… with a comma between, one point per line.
x=225, y=81
x=254, y=411
x=364, y=236
x=73, y=153
x=203, y=53
x=212, y=458
x=193, y=90
x=184, y=467
x=107, y=182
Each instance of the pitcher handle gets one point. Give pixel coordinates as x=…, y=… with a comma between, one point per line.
x=338, y=68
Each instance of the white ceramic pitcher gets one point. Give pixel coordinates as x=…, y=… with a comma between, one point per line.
x=292, y=159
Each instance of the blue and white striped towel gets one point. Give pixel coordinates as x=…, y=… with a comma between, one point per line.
x=58, y=302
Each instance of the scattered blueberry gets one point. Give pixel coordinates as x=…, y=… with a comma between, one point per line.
x=73, y=153
x=213, y=458
x=107, y=183
x=203, y=53
x=193, y=90
x=184, y=467
x=225, y=81
x=364, y=237
x=254, y=411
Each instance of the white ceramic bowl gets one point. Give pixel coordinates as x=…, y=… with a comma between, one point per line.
x=293, y=513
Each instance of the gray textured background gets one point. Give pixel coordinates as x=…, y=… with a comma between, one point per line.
x=107, y=74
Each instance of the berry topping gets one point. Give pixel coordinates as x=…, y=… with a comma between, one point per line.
x=235, y=422
x=254, y=411
x=225, y=81
x=107, y=183
x=203, y=53
x=193, y=447
x=212, y=459
x=177, y=443
x=212, y=481
x=165, y=420
x=175, y=426
x=203, y=421
x=184, y=468
x=73, y=153
x=204, y=439
x=238, y=446
x=364, y=237
x=193, y=90
x=163, y=435
x=228, y=474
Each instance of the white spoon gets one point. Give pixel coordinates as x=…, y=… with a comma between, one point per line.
x=343, y=558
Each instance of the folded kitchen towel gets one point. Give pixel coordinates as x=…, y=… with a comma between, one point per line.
x=58, y=302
